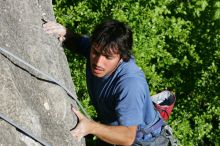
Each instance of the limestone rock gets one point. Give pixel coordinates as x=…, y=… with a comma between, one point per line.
x=41, y=107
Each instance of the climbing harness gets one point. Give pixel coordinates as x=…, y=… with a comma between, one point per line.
x=11, y=56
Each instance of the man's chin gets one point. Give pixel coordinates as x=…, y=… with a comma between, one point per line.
x=99, y=75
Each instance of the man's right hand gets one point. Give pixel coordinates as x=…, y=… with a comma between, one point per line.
x=55, y=28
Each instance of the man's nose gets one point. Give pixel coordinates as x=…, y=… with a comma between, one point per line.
x=100, y=60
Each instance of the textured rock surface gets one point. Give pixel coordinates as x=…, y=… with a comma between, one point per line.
x=39, y=106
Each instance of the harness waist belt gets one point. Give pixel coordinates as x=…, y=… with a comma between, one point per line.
x=154, y=127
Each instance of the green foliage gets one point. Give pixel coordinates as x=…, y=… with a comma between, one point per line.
x=177, y=45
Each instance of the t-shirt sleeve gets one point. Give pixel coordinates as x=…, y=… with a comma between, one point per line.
x=130, y=99
x=84, y=46
x=78, y=44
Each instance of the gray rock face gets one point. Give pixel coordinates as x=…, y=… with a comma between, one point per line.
x=41, y=107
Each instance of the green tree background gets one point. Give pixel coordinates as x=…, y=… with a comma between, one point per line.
x=177, y=45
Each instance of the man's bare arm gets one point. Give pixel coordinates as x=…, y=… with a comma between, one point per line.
x=120, y=135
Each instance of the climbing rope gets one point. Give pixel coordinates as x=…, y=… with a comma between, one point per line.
x=41, y=141
x=11, y=56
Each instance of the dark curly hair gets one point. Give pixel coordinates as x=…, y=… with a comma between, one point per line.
x=113, y=35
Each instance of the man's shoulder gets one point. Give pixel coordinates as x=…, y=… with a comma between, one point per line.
x=130, y=70
x=130, y=76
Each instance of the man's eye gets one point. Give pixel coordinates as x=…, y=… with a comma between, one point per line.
x=109, y=57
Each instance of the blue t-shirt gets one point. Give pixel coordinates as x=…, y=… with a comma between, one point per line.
x=123, y=97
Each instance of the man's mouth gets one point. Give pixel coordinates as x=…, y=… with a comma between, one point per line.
x=97, y=69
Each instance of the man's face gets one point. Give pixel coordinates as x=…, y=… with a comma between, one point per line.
x=103, y=64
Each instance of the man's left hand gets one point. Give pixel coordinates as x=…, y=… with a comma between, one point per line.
x=84, y=126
